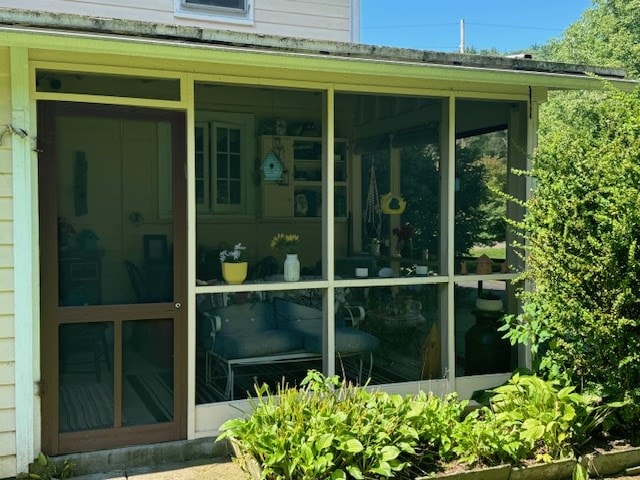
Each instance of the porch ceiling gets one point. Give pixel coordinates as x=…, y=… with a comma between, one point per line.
x=166, y=47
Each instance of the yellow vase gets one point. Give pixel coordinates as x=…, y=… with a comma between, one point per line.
x=234, y=273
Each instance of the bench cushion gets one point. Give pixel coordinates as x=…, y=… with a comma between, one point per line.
x=246, y=318
x=260, y=344
x=308, y=321
x=250, y=330
x=349, y=340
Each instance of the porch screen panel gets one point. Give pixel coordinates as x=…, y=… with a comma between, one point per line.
x=147, y=371
x=250, y=340
x=86, y=390
x=479, y=309
x=392, y=165
x=113, y=247
x=389, y=334
x=490, y=144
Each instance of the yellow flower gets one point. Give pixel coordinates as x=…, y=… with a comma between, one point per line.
x=285, y=242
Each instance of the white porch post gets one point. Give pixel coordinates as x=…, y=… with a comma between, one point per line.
x=328, y=231
x=25, y=249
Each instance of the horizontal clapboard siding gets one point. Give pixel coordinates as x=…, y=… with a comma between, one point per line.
x=7, y=328
x=313, y=19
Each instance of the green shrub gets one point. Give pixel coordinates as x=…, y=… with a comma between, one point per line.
x=43, y=468
x=530, y=418
x=328, y=429
x=332, y=430
x=582, y=229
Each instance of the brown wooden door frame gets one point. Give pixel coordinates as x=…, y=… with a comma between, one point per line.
x=52, y=315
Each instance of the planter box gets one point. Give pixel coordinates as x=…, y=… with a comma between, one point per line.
x=556, y=470
x=247, y=461
x=611, y=462
x=501, y=472
x=598, y=464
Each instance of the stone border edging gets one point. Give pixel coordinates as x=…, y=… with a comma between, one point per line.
x=598, y=464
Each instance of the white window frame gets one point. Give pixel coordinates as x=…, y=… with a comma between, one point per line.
x=205, y=156
x=215, y=205
x=246, y=124
x=215, y=13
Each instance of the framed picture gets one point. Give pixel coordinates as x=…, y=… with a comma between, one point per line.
x=155, y=249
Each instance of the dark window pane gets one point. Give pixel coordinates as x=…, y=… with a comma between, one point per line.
x=236, y=4
x=235, y=191
x=199, y=165
x=223, y=169
x=234, y=161
x=234, y=140
x=222, y=139
x=222, y=192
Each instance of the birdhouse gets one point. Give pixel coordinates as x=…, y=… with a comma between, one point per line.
x=272, y=167
x=484, y=265
x=87, y=240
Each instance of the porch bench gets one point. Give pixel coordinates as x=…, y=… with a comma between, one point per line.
x=273, y=332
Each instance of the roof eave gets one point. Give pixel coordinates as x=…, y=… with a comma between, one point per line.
x=443, y=66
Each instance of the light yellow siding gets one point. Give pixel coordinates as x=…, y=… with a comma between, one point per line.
x=7, y=330
x=320, y=20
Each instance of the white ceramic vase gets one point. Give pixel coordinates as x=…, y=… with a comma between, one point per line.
x=291, y=268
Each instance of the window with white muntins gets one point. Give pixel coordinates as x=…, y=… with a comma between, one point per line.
x=220, y=10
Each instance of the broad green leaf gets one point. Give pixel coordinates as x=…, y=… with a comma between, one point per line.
x=355, y=472
x=383, y=469
x=338, y=475
x=324, y=441
x=353, y=445
x=389, y=452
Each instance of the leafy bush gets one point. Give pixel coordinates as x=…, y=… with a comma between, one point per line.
x=530, y=418
x=46, y=469
x=328, y=429
x=582, y=227
x=332, y=430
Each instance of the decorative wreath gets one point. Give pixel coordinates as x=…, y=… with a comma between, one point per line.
x=392, y=204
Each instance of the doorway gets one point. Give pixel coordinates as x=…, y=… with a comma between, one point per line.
x=113, y=276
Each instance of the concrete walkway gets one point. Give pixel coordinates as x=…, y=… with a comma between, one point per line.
x=201, y=459
x=212, y=469
x=221, y=469
x=198, y=459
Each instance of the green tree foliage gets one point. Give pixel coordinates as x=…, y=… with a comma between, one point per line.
x=608, y=34
x=583, y=229
x=491, y=149
x=479, y=218
x=470, y=199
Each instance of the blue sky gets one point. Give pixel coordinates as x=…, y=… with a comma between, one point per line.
x=508, y=25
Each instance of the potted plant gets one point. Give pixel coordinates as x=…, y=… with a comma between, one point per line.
x=404, y=234
x=234, y=271
x=287, y=242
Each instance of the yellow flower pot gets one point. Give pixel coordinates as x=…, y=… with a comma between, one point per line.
x=234, y=273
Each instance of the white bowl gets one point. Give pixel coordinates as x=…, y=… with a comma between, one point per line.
x=487, y=305
x=385, y=272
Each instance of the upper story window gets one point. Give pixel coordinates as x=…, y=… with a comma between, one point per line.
x=221, y=10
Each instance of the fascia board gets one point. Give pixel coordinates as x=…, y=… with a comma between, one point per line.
x=293, y=64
